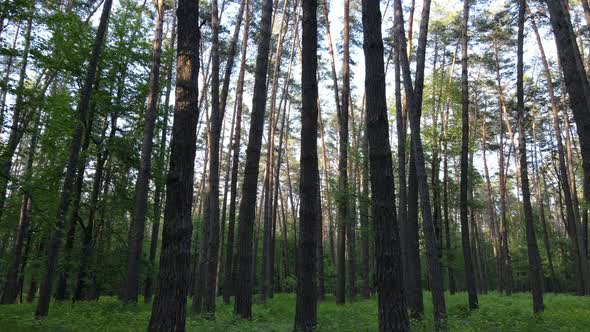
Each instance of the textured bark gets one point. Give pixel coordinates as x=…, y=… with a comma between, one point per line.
x=309, y=212
x=73, y=158
x=414, y=97
x=342, y=217
x=469, y=271
x=534, y=258
x=169, y=308
x=244, y=280
x=576, y=83
x=391, y=302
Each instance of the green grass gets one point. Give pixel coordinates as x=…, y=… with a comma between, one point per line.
x=496, y=313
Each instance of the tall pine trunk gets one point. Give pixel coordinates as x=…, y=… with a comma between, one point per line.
x=576, y=83
x=391, y=302
x=309, y=212
x=244, y=277
x=169, y=308
x=414, y=97
x=469, y=270
x=342, y=216
x=534, y=258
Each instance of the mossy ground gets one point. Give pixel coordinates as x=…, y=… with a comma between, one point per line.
x=497, y=313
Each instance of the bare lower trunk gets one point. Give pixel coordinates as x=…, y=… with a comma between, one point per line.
x=244, y=280
x=534, y=258
x=467, y=259
x=169, y=308
x=391, y=302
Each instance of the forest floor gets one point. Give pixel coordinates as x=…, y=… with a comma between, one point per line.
x=496, y=313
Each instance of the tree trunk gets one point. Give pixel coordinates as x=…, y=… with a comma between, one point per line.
x=73, y=158
x=210, y=238
x=11, y=284
x=414, y=97
x=579, y=92
x=342, y=216
x=169, y=308
x=413, y=276
x=469, y=271
x=229, y=261
x=535, y=271
x=391, y=302
x=506, y=272
x=160, y=177
x=244, y=280
x=137, y=227
x=310, y=211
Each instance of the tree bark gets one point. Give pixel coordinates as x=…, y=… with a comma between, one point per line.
x=414, y=97
x=469, y=271
x=309, y=213
x=579, y=92
x=342, y=216
x=391, y=302
x=244, y=280
x=535, y=271
x=169, y=308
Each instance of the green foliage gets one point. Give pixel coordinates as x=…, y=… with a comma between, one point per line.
x=496, y=313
